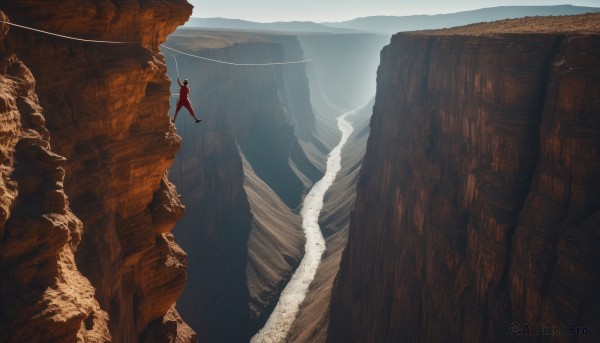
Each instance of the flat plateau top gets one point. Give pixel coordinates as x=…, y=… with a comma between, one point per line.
x=574, y=24
x=199, y=39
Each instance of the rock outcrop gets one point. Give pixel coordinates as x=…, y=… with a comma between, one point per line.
x=44, y=297
x=241, y=172
x=105, y=107
x=478, y=203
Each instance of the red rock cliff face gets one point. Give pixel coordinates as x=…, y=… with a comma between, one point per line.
x=105, y=108
x=44, y=297
x=478, y=203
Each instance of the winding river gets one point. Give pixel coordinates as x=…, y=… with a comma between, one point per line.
x=280, y=321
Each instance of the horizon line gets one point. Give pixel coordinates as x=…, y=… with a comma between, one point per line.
x=387, y=15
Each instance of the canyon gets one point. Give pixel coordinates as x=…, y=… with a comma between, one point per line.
x=116, y=269
x=477, y=204
x=283, y=316
x=466, y=198
x=262, y=143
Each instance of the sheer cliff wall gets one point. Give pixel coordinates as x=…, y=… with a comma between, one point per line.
x=45, y=298
x=104, y=107
x=478, y=203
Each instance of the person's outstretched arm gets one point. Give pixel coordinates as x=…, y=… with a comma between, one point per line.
x=180, y=85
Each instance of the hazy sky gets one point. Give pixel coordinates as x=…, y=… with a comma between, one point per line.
x=337, y=10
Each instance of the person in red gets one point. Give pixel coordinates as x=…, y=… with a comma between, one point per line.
x=184, y=101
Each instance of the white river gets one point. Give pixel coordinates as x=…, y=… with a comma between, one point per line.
x=280, y=321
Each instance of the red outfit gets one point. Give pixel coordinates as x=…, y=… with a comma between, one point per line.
x=184, y=101
x=183, y=93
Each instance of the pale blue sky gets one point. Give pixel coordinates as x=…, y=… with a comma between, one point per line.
x=338, y=10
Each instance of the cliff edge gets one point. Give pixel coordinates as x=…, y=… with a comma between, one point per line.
x=478, y=203
x=105, y=111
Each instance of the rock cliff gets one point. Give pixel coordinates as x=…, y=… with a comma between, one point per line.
x=241, y=172
x=44, y=297
x=478, y=203
x=104, y=107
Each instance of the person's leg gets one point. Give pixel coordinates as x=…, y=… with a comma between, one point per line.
x=179, y=105
x=191, y=110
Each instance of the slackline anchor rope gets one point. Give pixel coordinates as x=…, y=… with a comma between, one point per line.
x=235, y=64
x=164, y=46
x=63, y=36
x=176, y=66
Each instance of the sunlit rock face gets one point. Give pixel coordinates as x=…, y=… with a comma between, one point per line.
x=105, y=108
x=45, y=298
x=478, y=200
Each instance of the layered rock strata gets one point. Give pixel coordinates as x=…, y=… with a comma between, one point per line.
x=478, y=200
x=105, y=108
x=44, y=297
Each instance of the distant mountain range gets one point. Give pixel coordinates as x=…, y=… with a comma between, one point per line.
x=393, y=24
x=390, y=24
x=238, y=24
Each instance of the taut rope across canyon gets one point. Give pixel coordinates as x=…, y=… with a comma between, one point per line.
x=164, y=46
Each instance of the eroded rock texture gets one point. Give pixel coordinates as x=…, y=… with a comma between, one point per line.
x=105, y=107
x=44, y=297
x=478, y=203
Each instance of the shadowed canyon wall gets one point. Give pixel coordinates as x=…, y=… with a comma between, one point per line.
x=104, y=107
x=478, y=200
x=241, y=171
